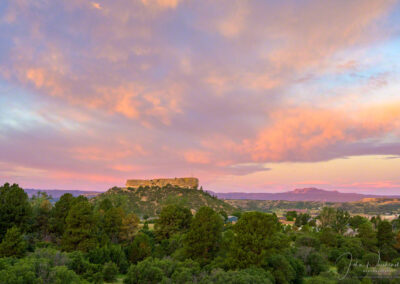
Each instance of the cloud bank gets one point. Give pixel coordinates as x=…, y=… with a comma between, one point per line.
x=94, y=92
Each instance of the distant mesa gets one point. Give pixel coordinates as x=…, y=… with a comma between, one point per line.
x=187, y=182
x=302, y=194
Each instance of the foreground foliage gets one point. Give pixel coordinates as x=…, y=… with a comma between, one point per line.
x=77, y=240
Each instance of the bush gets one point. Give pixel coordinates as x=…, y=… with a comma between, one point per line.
x=281, y=269
x=140, y=248
x=90, y=271
x=370, y=259
x=62, y=275
x=252, y=275
x=111, y=253
x=110, y=271
x=156, y=270
x=307, y=241
x=318, y=280
x=316, y=264
x=42, y=266
x=142, y=273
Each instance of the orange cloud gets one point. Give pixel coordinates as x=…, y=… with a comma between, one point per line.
x=233, y=24
x=96, y=5
x=42, y=79
x=161, y=3
x=300, y=132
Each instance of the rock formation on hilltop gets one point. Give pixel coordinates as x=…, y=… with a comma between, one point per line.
x=188, y=182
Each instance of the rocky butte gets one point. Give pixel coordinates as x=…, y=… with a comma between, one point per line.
x=187, y=182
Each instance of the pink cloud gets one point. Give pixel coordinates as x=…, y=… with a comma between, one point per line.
x=197, y=157
x=302, y=133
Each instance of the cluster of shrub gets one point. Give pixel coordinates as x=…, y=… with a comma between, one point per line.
x=79, y=241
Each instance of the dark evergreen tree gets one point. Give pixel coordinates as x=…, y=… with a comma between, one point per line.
x=256, y=235
x=367, y=235
x=204, y=235
x=140, y=248
x=80, y=227
x=173, y=219
x=13, y=244
x=15, y=209
x=385, y=234
x=60, y=212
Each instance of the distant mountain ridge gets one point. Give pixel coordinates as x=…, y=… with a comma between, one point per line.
x=302, y=194
x=57, y=193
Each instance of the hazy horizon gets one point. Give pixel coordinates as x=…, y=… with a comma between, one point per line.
x=225, y=191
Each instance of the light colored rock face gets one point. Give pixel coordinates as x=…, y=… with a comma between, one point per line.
x=161, y=182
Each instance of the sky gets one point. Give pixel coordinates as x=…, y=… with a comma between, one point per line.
x=251, y=96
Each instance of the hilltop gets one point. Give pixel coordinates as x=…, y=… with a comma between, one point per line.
x=150, y=200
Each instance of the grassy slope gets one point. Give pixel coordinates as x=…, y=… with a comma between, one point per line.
x=149, y=201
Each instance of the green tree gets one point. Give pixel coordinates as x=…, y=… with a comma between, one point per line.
x=375, y=220
x=15, y=209
x=307, y=240
x=385, y=234
x=397, y=244
x=291, y=215
x=112, y=223
x=341, y=220
x=316, y=263
x=129, y=227
x=302, y=219
x=60, y=212
x=110, y=253
x=105, y=205
x=80, y=227
x=41, y=209
x=368, y=236
x=204, y=235
x=328, y=237
x=256, y=234
x=281, y=269
x=386, y=241
x=140, y=248
x=356, y=221
x=13, y=244
x=173, y=219
x=327, y=217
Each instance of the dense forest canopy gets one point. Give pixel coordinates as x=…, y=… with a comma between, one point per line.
x=77, y=240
